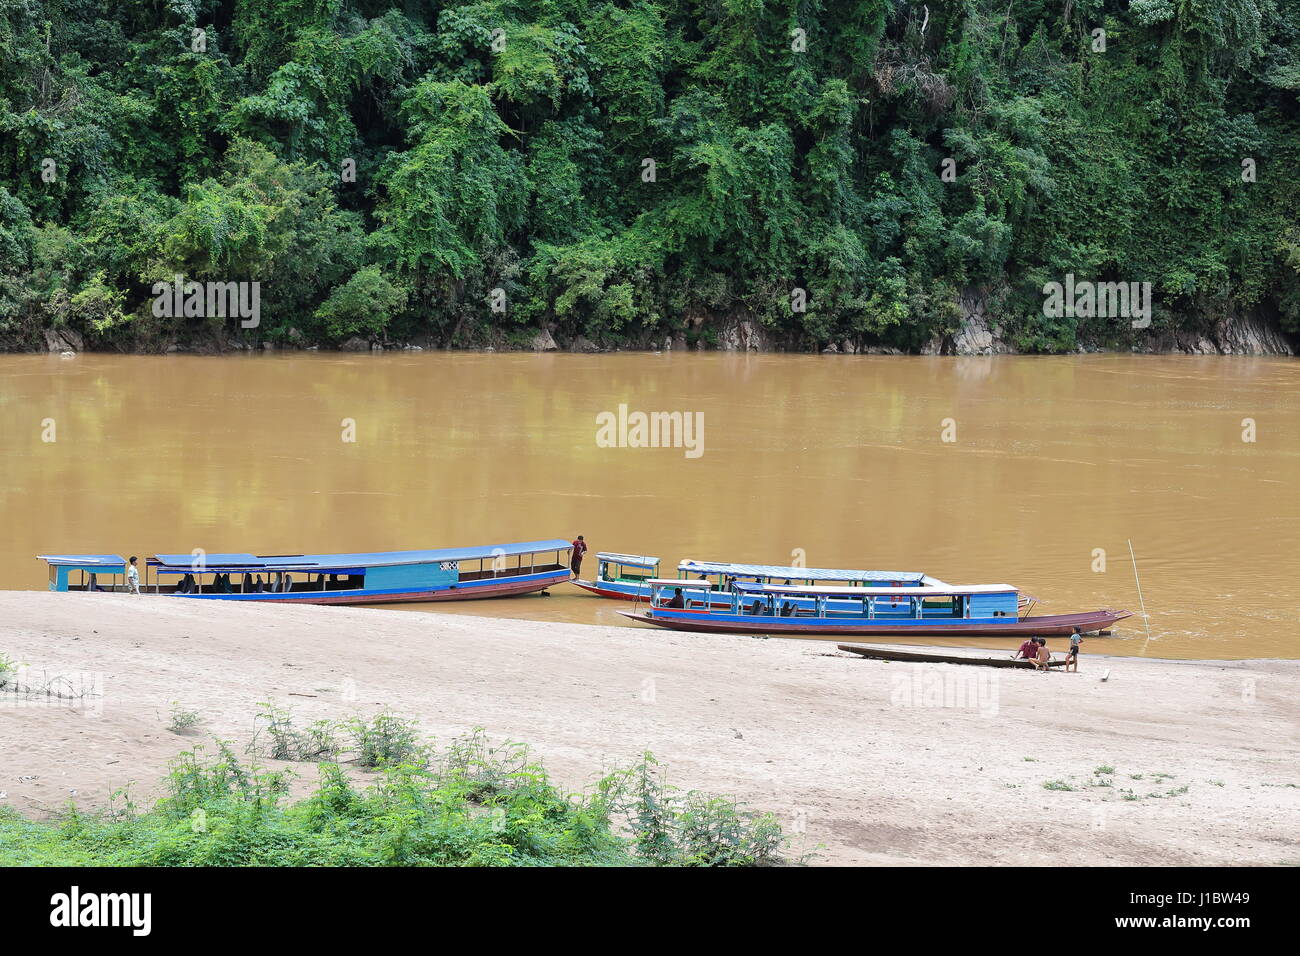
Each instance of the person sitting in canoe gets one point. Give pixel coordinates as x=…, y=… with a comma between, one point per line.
x=1044, y=655
x=678, y=600
x=1028, y=650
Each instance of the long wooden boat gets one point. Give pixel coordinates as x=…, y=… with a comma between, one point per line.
x=627, y=577
x=978, y=610
x=385, y=577
x=925, y=657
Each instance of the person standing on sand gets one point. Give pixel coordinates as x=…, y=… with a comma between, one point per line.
x=579, y=549
x=1072, y=658
x=133, y=577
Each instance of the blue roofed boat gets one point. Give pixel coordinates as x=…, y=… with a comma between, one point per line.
x=976, y=610
x=382, y=577
x=628, y=576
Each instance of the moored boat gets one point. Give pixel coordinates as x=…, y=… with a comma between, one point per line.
x=450, y=574
x=978, y=610
x=920, y=656
x=628, y=576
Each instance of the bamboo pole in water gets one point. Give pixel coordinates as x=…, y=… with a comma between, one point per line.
x=1141, y=601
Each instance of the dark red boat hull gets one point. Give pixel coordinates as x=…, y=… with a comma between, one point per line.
x=1045, y=626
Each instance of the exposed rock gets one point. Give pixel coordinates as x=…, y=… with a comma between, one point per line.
x=742, y=335
x=376, y=347
x=64, y=340
x=355, y=344
x=977, y=335
x=1230, y=335
x=831, y=349
x=543, y=341
x=583, y=344
x=1250, y=335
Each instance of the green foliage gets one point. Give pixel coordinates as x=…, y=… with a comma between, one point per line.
x=182, y=721
x=473, y=805
x=364, y=305
x=886, y=158
x=387, y=740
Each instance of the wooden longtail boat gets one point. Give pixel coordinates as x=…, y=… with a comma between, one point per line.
x=628, y=576
x=924, y=657
x=451, y=574
x=978, y=610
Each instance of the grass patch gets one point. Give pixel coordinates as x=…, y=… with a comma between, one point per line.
x=1057, y=785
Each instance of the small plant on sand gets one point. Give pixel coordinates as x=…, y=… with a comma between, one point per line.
x=671, y=828
x=193, y=782
x=387, y=741
x=1057, y=785
x=284, y=741
x=1104, y=770
x=183, y=721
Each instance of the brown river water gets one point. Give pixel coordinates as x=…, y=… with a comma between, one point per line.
x=838, y=460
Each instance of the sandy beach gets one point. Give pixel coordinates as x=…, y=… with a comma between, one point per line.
x=877, y=763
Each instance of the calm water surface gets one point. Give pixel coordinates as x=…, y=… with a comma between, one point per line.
x=840, y=457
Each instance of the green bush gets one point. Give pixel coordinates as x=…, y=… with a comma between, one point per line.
x=474, y=805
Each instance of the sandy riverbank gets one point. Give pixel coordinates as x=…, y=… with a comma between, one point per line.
x=886, y=762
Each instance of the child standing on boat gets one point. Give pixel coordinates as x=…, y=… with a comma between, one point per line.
x=579, y=549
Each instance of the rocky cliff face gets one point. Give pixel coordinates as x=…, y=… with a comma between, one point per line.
x=1227, y=333
x=978, y=333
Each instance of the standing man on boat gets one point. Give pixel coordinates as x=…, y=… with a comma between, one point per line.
x=132, y=577
x=579, y=549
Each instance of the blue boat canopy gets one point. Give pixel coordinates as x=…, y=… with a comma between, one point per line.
x=798, y=574
x=211, y=562
x=948, y=590
x=628, y=560
x=353, y=562
x=91, y=561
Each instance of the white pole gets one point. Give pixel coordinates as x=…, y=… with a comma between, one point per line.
x=1143, y=603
